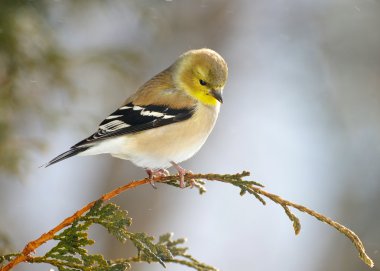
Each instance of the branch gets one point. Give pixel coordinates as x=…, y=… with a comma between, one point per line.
x=250, y=187
x=346, y=231
x=33, y=245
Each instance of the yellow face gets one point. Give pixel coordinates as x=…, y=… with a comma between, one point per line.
x=202, y=74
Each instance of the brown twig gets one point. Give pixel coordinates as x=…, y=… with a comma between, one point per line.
x=253, y=187
x=33, y=245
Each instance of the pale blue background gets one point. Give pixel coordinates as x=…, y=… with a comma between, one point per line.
x=301, y=112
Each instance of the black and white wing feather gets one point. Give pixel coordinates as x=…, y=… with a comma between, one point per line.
x=133, y=118
x=129, y=119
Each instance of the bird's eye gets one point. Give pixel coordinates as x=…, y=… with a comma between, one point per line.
x=203, y=83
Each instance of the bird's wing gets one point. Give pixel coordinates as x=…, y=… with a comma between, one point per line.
x=132, y=118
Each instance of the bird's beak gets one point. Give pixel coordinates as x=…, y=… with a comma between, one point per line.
x=217, y=94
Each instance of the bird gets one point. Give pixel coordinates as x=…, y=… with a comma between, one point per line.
x=167, y=120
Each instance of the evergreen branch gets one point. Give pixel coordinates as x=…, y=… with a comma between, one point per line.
x=173, y=254
x=161, y=252
x=33, y=245
x=70, y=254
x=346, y=231
x=256, y=190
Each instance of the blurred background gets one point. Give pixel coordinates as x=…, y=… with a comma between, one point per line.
x=301, y=112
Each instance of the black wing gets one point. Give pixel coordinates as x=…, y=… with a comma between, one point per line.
x=132, y=118
x=128, y=119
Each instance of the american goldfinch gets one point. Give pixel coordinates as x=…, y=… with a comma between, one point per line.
x=167, y=120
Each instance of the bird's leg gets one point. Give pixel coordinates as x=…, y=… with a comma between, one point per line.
x=181, y=173
x=156, y=173
x=151, y=176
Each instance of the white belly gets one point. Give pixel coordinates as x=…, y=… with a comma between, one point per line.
x=157, y=147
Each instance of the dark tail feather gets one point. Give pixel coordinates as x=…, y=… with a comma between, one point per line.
x=65, y=155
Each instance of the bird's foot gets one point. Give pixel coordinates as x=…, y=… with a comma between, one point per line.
x=156, y=173
x=181, y=174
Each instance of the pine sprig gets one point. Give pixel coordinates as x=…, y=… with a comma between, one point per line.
x=70, y=254
x=148, y=251
x=170, y=252
x=111, y=217
x=256, y=190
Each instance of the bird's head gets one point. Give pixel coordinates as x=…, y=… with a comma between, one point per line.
x=202, y=74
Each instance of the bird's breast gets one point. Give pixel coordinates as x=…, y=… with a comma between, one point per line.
x=176, y=142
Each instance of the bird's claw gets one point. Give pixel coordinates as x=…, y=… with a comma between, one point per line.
x=181, y=173
x=156, y=173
